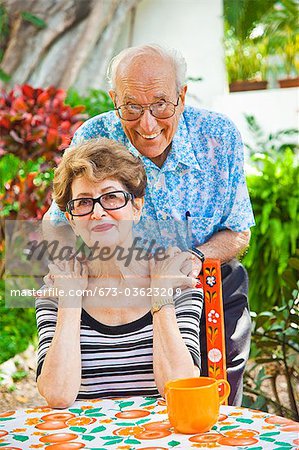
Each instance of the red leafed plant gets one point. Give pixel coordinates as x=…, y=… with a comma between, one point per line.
x=35, y=126
x=36, y=122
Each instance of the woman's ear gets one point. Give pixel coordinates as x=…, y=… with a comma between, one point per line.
x=71, y=222
x=137, y=205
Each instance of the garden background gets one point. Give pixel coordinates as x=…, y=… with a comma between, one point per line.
x=242, y=60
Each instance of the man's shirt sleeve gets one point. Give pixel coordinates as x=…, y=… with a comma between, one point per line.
x=238, y=214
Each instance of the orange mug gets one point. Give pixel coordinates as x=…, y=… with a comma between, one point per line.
x=193, y=403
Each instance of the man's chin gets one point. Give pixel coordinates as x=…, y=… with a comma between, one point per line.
x=152, y=149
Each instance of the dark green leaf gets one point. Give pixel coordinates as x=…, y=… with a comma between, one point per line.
x=92, y=411
x=125, y=404
x=240, y=419
x=76, y=411
x=173, y=443
x=132, y=441
x=20, y=437
x=87, y=437
x=78, y=429
x=5, y=77
x=98, y=429
x=109, y=438
x=272, y=433
x=139, y=422
x=36, y=21
x=229, y=427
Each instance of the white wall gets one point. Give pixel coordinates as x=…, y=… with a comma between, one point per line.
x=274, y=109
x=195, y=27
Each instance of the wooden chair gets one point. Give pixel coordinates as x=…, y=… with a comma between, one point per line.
x=210, y=278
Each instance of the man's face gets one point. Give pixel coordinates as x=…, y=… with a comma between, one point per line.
x=146, y=80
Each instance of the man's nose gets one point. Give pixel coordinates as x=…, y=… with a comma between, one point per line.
x=98, y=211
x=148, y=122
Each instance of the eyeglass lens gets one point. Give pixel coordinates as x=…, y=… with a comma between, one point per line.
x=160, y=110
x=111, y=200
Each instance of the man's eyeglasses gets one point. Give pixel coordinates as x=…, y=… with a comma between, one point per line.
x=160, y=110
x=109, y=201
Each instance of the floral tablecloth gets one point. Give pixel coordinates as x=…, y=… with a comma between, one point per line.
x=139, y=423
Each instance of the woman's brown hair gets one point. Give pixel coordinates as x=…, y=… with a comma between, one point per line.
x=98, y=159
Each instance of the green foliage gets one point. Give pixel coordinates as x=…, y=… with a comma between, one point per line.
x=245, y=60
x=282, y=32
x=96, y=101
x=34, y=20
x=19, y=375
x=4, y=21
x=35, y=126
x=257, y=29
x=243, y=15
x=4, y=76
x=18, y=328
x=4, y=32
x=273, y=188
x=275, y=349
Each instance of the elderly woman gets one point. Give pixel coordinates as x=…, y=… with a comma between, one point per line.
x=108, y=346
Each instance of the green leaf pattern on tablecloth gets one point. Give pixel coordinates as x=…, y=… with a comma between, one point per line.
x=101, y=435
x=78, y=429
x=98, y=429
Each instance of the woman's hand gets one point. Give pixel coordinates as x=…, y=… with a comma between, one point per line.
x=177, y=270
x=68, y=279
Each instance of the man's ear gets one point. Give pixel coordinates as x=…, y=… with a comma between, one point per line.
x=138, y=206
x=183, y=94
x=112, y=95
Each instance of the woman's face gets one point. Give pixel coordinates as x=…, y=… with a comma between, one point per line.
x=107, y=228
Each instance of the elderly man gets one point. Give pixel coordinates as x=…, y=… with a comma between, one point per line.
x=194, y=164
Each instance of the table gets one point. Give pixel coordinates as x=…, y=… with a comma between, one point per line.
x=139, y=423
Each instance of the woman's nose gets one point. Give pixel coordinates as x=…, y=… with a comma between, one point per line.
x=98, y=211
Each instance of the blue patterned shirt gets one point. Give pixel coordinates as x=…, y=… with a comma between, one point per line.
x=202, y=176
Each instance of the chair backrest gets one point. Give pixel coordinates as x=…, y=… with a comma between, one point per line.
x=215, y=331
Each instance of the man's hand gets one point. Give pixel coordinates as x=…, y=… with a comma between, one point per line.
x=175, y=271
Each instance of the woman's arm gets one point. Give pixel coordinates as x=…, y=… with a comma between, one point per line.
x=60, y=377
x=171, y=356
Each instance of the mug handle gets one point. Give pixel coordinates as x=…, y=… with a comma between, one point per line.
x=226, y=390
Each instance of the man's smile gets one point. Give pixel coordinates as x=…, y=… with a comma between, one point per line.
x=150, y=136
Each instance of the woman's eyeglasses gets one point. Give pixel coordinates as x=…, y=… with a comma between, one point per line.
x=109, y=201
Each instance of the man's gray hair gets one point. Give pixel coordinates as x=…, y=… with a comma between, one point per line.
x=172, y=54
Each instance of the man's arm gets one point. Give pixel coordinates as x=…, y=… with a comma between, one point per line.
x=225, y=245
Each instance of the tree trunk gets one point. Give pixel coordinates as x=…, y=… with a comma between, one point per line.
x=73, y=49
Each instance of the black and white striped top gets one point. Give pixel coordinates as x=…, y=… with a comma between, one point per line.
x=117, y=361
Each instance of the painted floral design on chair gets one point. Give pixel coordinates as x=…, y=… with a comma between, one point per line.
x=211, y=279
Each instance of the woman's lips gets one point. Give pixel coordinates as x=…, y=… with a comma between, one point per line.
x=103, y=227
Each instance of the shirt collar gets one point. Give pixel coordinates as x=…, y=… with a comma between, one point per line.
x=181, y=149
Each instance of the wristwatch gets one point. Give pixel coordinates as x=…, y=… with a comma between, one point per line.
x=160, y=302
x=197, y=253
